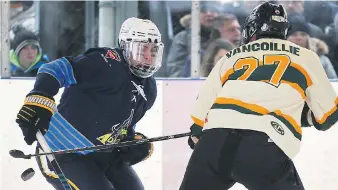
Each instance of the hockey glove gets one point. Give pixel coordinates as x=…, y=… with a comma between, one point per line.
x=196, y=132
x=136, y=153
x=35, y=115
x=191, y=143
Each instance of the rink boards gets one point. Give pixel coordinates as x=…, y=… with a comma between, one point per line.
x=317, y=162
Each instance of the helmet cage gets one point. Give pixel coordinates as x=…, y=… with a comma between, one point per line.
x=143, y=58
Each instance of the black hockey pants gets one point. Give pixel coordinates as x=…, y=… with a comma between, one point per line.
x=96, y=171
x=223, y=157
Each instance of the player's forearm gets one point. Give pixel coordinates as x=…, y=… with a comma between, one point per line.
x=46, y=84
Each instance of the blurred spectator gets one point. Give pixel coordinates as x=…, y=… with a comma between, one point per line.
x=321, y=48
x=296, y=9
x=332, y=33
x=22, y=13
x=299, y=34
x=293, y=7
x=228, y=28
x=326, y=15
x=240, y=9
x=26, y=54
x=181, y=44
x=215, y=51
x=298, y=31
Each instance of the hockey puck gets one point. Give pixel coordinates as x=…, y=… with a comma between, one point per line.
x=27, y=174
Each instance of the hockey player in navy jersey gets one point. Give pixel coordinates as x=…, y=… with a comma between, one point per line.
x=106, y=92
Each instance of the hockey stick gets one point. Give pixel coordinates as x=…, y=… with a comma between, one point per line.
x=53, y=161
x=20, y=154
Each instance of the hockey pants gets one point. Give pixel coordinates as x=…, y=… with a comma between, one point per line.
x=96, y=171
x=223, y=157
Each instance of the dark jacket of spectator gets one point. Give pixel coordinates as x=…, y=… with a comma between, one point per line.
x=181, y=45
x=321, y=48
x=333, y=42
x=314, y=31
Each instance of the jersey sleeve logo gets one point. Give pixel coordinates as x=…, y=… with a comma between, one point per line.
x=112, y=54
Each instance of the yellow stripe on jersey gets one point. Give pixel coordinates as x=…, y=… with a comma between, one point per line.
x=296, y=87
x=252, y=107
x=327, y=114
x=304, y=72
x=291, y=120
x=260, y=110
x=198, y=121
x=293, y=85
x=226, y=75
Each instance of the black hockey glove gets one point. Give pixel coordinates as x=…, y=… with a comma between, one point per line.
x=136, y=153
x=35, y=115
x=191, y=143
x=196, y=131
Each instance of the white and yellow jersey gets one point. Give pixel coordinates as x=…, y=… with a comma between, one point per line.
x=263, y=86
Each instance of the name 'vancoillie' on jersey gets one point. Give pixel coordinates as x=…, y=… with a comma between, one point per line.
x=263, y=86
x=264, y=46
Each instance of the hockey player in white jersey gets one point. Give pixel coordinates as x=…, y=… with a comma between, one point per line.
x=253, y=106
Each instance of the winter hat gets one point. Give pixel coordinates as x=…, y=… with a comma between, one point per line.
x=206, y=6
x=24, y=37
x=298, y=24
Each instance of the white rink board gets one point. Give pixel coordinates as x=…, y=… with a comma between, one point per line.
x=317, y=162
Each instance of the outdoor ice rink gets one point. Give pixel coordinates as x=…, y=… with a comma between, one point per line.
x=317, y=162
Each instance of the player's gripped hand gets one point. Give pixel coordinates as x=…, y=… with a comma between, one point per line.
x=196, y=132
x=35, y=115
x=192, y=142
x=136, y=153
x=195, y=139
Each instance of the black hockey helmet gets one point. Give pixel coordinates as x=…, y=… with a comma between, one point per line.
x=266, y=20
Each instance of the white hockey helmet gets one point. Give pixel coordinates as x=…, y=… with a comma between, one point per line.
x=140, y=41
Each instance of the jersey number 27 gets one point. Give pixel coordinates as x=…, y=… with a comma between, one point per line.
x=250, y=64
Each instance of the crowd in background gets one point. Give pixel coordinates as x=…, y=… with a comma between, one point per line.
x=314, y=26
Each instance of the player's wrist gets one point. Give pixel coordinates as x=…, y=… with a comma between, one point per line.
x=137, y=153
x=46, y=84
x=40, y=100
x=196, y=130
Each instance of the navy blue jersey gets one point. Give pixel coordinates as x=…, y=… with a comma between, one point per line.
x=101, y=99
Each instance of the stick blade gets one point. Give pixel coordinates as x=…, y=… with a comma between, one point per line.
x=17, y=154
